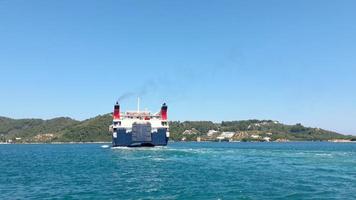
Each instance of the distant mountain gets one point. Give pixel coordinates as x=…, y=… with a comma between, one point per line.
x=27, y=129
x=65, y=129
x=56, y=130
x=90, y=130
x=251, y=130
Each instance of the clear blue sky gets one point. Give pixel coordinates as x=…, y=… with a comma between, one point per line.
x=292, y=61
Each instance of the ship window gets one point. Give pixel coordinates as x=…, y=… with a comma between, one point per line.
x=164, y=123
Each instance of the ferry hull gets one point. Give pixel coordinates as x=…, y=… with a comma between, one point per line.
x=140, y=137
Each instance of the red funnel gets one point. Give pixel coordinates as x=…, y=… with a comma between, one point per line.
x=164, y=112
x=116, y=114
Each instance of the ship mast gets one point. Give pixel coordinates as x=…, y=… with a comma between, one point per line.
x=138, y=104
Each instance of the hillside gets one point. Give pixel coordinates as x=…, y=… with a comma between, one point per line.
x=28, y=129
x=96, y=129
x=250, y=130
x=90, y=130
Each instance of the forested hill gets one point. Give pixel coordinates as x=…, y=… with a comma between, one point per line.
x=65, y=129
x=56, y=130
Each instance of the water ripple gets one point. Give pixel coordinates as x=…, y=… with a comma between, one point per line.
x=179, y=171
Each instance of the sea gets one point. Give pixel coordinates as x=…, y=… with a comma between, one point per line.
x=182, y=170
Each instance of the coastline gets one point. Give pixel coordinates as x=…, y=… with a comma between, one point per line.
x=108, y=142
x=99, y=142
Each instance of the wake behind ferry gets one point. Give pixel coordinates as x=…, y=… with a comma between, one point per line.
x=139, y=128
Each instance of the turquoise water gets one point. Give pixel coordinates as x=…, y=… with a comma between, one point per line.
x=304, y=170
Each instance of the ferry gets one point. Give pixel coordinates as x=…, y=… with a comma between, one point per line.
x=139, y=128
